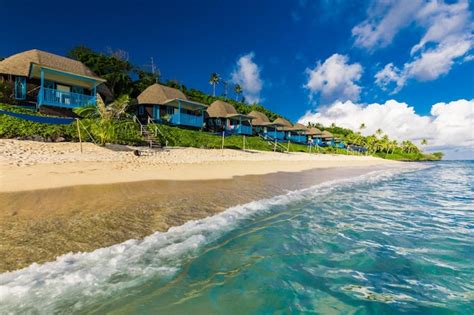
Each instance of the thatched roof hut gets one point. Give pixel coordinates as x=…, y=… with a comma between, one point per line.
x=221, y=109
x=158, y=94
x=21, y=64
x=300, y=127
x=313, y=131
x=326, y=135
x=259, y=119
x=284, y=124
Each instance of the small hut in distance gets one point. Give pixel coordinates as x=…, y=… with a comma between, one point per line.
x=222, y=116
x=314, y=135
x=164, y=104
x=299, y=133
x=264, y=127
x=296, y=133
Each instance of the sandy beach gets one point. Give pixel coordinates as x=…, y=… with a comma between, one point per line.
x=29, y=165
x=55, y=200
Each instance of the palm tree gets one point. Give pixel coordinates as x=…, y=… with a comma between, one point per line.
x=385, y=144
x=113, y=111
x=371, y=143
x=424, y=142
x=214, y=80
x=362, y=126
x=379, y=132
x=104, y=122
x=394, y=145
x=237, y=90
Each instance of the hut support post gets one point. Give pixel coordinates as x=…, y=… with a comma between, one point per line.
x=244, y=142
x=79, y=133
x=288, y=150
x=179, y=112
x=42, y=88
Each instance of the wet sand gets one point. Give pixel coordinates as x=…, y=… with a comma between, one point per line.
x=37, y=226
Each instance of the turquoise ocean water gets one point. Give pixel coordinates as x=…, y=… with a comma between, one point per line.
x=390, y=242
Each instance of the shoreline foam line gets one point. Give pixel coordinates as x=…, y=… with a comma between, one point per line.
x=74, y=277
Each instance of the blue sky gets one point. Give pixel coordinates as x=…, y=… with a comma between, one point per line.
x=273, y=48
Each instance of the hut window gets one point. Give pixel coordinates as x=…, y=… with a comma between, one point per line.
x=141, y=110
x=170, y=110
x=77, y=90
x=20, y=88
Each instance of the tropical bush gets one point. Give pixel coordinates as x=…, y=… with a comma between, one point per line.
x=11, y=127
x=110, y=124
x=123, y=131
x=174, y=136
x=5, y=91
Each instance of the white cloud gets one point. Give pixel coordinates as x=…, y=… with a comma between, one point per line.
x=385, y=19
x=388, y=74
x=447, y=27
x=247, y=75
x=449, y=127
x=428, y=66
x=335, y=79
x=443, y=22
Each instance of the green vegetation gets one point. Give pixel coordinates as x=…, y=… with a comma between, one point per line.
x=380, y=145
x=11, y=127
x=119, y=73
x=115, y=126
x=123, y=131
x=112, y=124
x=174, y=136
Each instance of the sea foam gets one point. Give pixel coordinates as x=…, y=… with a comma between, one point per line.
x=68, y=282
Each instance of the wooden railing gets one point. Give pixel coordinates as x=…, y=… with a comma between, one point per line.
x=64, y=99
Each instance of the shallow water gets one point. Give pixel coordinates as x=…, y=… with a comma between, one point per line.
x=400, y=240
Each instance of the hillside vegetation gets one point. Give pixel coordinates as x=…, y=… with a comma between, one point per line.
x=127, y=80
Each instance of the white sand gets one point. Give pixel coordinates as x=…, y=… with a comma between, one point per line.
x=29, y=165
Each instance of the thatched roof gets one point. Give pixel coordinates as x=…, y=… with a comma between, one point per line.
x=20, y=64
x=326, y=134
x=160, y=94
x=283, y=122
x=313, y=131
x=259, y=118
x=221, y=109
x=299, y=127
x=284, y=125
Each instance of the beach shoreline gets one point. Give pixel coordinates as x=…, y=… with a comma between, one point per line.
x=37, y=226
x=29, y=165
x=55, y=200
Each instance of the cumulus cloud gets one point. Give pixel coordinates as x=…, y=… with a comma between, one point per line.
x=385, y=19
x=446, y=38
x=449, y=127
x=388, y=74
x=335, y=79
x=247, y=75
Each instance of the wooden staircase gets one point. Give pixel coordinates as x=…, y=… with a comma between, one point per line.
x=149, y=135
x=277, y=146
